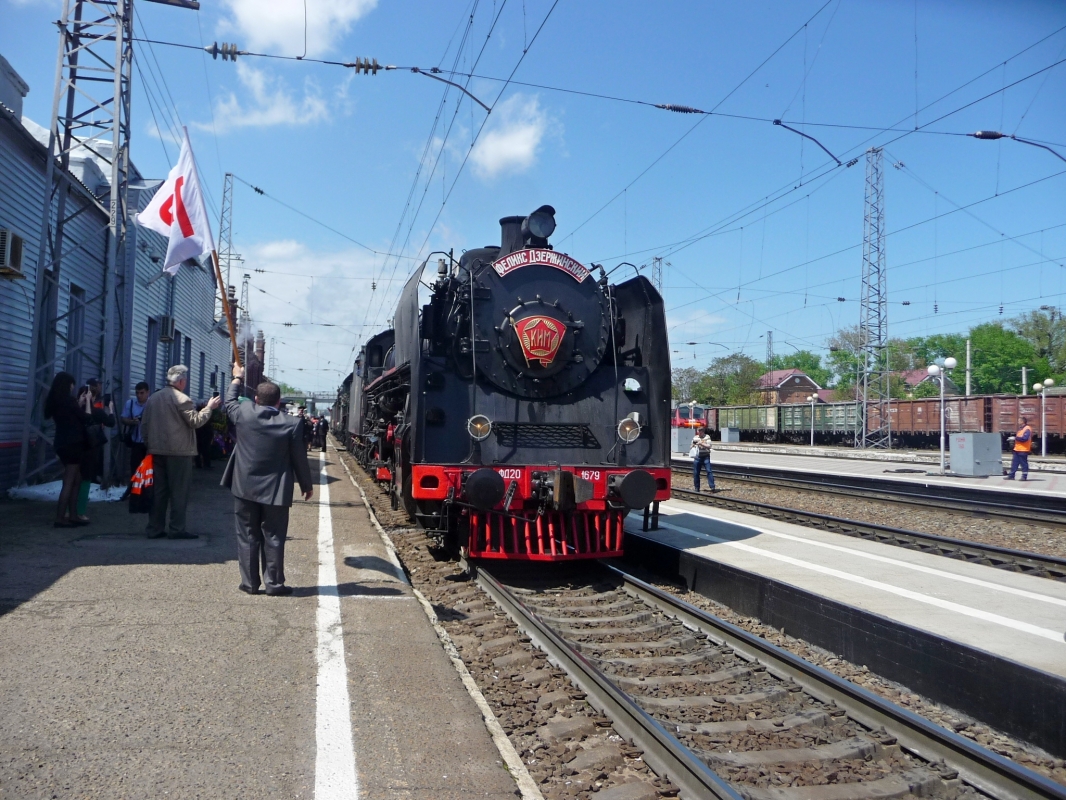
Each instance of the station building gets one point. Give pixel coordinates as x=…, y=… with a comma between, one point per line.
x=160, y=321
x=784, y=386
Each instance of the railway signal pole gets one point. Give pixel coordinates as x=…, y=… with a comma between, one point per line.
x=873, y=324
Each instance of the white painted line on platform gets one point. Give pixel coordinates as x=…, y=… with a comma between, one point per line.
x=1013, y=624
x=335, y=777
x=1043, y=598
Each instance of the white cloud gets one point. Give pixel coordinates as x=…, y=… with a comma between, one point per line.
x=269, y=102
x=310, y=356
x=277, y=26
x=512, y=137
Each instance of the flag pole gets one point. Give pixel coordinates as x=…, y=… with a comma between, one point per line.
x=226, y=308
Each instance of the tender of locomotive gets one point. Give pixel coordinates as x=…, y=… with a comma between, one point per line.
x=519, y=408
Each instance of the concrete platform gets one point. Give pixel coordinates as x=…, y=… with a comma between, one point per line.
x=1015, y=616
x=988, y=642
x=1050, y=484
x=1037, y=463
x=132, y=669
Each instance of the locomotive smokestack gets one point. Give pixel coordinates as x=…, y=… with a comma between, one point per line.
x=510, y=235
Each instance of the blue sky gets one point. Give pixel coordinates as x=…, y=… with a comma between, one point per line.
x=759, y=230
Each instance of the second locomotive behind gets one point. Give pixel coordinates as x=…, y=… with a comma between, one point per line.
x=520, y=406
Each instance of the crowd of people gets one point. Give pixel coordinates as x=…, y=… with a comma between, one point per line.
x=170, y=434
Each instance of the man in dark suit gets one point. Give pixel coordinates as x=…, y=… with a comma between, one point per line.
x=268, y=456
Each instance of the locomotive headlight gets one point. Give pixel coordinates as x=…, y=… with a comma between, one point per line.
x=479, y=427
x=629, y=428
x=541, y=223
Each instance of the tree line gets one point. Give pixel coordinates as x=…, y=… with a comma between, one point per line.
x=999, y=350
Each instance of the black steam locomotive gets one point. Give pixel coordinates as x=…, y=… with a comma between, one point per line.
x=519, y=407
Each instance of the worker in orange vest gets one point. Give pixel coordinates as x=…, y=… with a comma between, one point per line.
x=1023, y=444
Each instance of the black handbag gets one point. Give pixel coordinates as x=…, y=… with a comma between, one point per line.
x=96, y=436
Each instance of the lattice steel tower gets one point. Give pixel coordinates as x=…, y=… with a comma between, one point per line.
x=873, y=321
x=272, y=368
x=90, y=117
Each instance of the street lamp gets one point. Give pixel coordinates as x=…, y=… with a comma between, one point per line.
x=941, y=375
x=1041, y=389
x=812, y=399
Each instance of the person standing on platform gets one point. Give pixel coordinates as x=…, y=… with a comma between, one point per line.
x=320, y=433
x=131, y=418
x=701, y=443
x=309, y=428
x=71, y=421
x=270, y=456
x=1023, y=445
x=168, y=425
x=92, y=461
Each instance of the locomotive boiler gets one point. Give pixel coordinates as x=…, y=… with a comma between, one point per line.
x=519, y=407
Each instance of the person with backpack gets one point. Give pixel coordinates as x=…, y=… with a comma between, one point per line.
x=131, y=415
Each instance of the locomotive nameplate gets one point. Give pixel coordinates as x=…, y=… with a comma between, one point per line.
x=540, y=338
x=538, y=257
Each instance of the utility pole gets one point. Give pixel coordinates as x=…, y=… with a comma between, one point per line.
x=770, y=351
x=657, y=274
x=90, y=117
x=1025, y=381
x=873, y=320
x=273, y=368
x=968, y=367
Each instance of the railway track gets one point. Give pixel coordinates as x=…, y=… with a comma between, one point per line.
x=725, y=714
x=958, y=498
x=973, y=552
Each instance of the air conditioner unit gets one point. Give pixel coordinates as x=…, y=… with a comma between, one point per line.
x=10, y=254
x=166, y=329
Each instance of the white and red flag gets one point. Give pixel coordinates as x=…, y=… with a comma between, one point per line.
x=177, y=211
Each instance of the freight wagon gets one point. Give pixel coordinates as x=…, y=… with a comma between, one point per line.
x=914, y=423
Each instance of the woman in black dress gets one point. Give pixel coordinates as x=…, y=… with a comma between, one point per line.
x=70, y=444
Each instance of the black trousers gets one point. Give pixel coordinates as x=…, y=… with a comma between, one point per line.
x=261, y=532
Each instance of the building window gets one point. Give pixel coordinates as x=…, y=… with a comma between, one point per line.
x=175, y=350
x=75, y=332
x=151, y=374
x=187, y=360
x=203, y=369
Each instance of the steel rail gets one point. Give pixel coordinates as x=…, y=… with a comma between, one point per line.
x=954, y=498
x=662, y=751
x=987, y=771
x=990, y=555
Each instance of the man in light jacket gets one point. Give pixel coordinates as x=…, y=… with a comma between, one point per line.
x=268, y=458
x=168, y=425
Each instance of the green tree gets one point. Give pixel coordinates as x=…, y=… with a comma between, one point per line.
x=288, y=390
x=999, y=355
x=807, y=362
x=845, y=357
x=926, y=389
x=929, y=349
x=684, y=382
x=1045, y=330
x=730, y=380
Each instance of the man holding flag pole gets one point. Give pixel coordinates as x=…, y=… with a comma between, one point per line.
x=170, y=419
